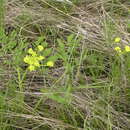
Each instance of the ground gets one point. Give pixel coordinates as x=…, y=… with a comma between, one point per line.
x=65, y=65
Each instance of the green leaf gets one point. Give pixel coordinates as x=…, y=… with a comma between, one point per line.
x=128, y=25
x=61, y=44
x=70, y=38
x=13, y=35
x=63, y=56
x=44, y=44
x=40, y=40
x=60, y=98
x=11, y=45
x=52, y=58
x=47, y=52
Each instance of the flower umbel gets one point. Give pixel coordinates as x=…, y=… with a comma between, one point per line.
x=40, y=48
x=127, y=48
x=117, y=40
x=26, y=59
x=30, y=51
x=33, y=60
x=118, y=49
x=50, y=64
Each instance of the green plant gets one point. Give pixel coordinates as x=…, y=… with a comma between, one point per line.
x=71, y=82
x=2, y=3
x=35, y=58
x=67, y=52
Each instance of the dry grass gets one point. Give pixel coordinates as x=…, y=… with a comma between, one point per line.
x=99, y=104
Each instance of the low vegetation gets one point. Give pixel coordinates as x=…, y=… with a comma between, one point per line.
x=65, y=65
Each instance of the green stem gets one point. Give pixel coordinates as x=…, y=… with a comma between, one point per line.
x=1, y=16
x=21, y=78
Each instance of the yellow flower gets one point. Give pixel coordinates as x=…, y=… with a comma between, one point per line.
x=36, y=63
x=127, y=48
x=31, y=67
x=30, y=51
x=40, y=57
x=50, y=64
x=30, y=60
x=40, y=48
x=117, y=39
x=118, y=49
x=26, y=59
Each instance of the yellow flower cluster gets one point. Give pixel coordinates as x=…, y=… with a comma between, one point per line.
x=118, y=49
x=34, y=58
x=126, y=49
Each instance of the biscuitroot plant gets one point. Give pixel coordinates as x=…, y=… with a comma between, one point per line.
x=123, y=56
x=37, y=58
x=34, y=59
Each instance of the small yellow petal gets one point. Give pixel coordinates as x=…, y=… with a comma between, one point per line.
x=26, y=59
x=127, y=48
x=31, y=68
x=36, y=64
x=30, y=51
x=34, y=54
x=118, y=49
x=31, y=60
x=117, y=39
x=40, y=57
x=40, y=48
x=50, y=64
